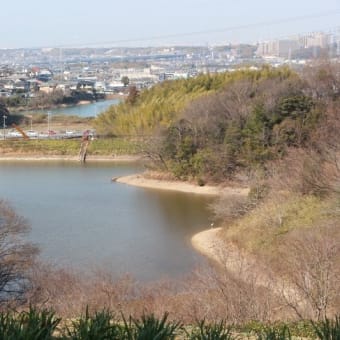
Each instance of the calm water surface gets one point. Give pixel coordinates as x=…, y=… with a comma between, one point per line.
x=80, y=219
x=87, y=110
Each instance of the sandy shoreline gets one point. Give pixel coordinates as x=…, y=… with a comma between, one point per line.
x=227, y=256
x=208, y=243
x=141, y=181
x=231, y=259
x=61, y=158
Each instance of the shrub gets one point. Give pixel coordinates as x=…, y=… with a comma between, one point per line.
x=328, y=329
x=213, y=331
x=30, y=325
x=97, y=327
x=150, y=327
x=274, y=333
x=200, y=182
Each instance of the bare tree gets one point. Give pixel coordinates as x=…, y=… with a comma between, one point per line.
x=323, y=79
x=312, y=267
x=16, y=255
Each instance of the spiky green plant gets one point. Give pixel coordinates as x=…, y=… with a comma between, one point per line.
x=28, y=325
x=274, y=333
x=212, y=331
x=328, y=329
x=149, y=327
x=100, y=326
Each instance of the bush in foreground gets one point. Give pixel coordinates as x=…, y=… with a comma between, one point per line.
x=28, y=325
x=328, y=329
x=99, y=326
x=37, y=324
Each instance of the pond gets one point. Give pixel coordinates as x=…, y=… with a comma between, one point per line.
x=86, y=110
x=81, y=219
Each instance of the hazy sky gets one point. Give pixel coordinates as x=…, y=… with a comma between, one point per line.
x=41, y=23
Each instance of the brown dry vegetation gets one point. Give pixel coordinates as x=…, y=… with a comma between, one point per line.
x=207, y=293
x=294, y=231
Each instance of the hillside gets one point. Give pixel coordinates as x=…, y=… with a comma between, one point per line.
x=277, y=132
x=160, y=106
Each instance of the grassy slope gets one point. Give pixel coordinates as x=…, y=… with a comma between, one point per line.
x=264, y=229
x=100, y=147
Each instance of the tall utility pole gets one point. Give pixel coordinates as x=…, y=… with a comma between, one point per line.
x=48, y=122
x=4, y=126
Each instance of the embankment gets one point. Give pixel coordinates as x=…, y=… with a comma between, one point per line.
x=89, y=158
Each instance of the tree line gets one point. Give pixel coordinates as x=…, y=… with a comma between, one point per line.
x=212, y=126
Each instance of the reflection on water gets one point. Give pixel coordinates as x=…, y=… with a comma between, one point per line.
x=80, y=218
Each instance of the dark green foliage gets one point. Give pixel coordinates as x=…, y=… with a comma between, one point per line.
x=9, y=118
x=100, y=326
x=213, y=331
x=150, y=328
x=30, y=325
x=54, y=98
x=212, y=126
x=241, y=126
x=295, y=106
x=3, y=110
x=256, y=137
x=125, y=80
x=14, y=101
x=328, y=329
x=200, y=182
x=274, y=333
x=293, y=120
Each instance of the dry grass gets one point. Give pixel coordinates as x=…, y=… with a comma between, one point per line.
x=205, y=294
x=262, y=229
x=69, y=147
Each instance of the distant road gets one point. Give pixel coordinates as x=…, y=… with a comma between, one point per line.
x=13, y=134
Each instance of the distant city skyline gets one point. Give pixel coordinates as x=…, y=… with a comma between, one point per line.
x=155, y=23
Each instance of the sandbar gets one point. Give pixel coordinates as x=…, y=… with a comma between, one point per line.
x=140, y=180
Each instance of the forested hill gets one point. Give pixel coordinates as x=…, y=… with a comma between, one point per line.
x=212, y=125
x=162, y=105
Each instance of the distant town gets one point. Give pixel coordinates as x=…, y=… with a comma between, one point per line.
x=25, y=73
